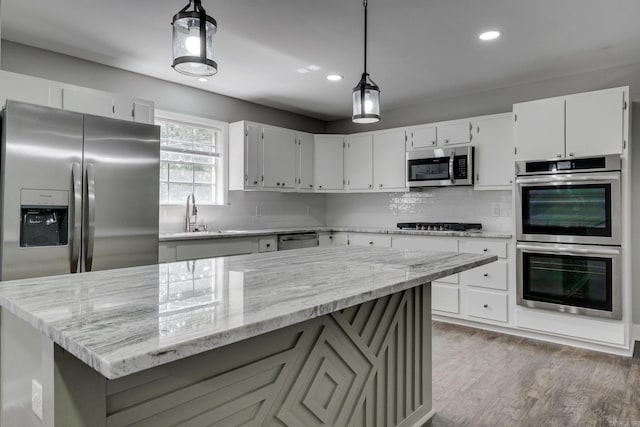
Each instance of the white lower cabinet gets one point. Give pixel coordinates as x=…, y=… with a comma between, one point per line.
x=445, y=298
x=492, y=276
x=487, y=305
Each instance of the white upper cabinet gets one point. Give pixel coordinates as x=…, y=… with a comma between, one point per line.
x=269, y=158
x=458, y=132
x=105, y=104
x=389, y=160
x=18, y=87
x=595, y=123
x=585, y=124
x=304, y=162
x=421, y=137
x=358, y=162
x=539, y=129
x=244, y=156
x=328, y=162
x=493, y=142
x=278, y=158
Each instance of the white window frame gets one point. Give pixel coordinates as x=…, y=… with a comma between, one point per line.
x=222, y=167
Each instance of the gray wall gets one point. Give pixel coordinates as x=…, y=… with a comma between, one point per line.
x=46, y=64
x=498, y=100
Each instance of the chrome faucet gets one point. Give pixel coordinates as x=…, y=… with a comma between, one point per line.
x=189, y=225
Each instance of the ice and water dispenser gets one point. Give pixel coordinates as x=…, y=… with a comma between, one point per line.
x=44, y=218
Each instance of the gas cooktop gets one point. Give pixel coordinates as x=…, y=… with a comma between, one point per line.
x=440, y=226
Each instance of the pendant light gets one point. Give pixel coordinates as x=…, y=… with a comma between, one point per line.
x=190, y=28
x=366, y=95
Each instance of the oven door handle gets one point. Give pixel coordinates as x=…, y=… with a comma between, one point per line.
x=550, y=179
x=565, y=250
x=452, y=157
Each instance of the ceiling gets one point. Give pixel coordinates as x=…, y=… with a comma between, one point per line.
x=418, y=49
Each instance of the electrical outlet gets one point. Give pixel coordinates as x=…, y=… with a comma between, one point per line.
x=36, y=398
x=495, y=209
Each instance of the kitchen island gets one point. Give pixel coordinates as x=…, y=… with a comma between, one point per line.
x=317, y=336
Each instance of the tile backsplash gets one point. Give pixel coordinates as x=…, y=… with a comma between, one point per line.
x=252, y=210
x=255, y=210
x=454, y=204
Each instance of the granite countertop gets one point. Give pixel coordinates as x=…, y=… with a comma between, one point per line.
x=124, y=321
x=219, y=234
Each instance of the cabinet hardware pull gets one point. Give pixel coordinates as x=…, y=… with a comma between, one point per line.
x=485, y=250
x=371, y=243
x=485, y=305
x=558, y=155
x=380, y=185
x=255, y=182
x=486, y=274
x=570, y=154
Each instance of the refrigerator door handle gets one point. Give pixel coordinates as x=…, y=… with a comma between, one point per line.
x=91, y=217
x=76, y=211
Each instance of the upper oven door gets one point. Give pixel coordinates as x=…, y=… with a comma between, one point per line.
x=569, y=208
x=440, y=167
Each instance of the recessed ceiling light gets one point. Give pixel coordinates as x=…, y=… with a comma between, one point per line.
x=334, y=77
x=302, y=70
x=490, y=35
x=203, y=79
x=313, y=67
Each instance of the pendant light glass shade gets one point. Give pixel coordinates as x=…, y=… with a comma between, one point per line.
x=366, y=94
x=190, y=55
x=366, y=101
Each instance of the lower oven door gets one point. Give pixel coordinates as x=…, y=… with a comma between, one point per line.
x=577, y=279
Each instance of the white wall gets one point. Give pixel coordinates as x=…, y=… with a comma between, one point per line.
x=497, y=100
x=432, y=205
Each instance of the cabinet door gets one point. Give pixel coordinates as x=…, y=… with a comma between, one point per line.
x=422, y=137
x=88, y=101
x=539, y=129
x=143, y=112
x=358, y=162
x=279, y=158
x=304, y=162
x=595, y=123
x=493, y=140
x=389, y=161
x=252, y=156
x=18, y=87
x=327, y=162
x=122, y=107
x=454, y=133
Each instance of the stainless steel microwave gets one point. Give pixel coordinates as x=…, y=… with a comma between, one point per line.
x=440, y=167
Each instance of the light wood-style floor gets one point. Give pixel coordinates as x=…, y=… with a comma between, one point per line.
x=482, y=378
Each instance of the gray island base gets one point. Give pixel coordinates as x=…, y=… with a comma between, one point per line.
x=310, y=337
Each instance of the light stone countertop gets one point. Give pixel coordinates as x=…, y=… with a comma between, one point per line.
x=124, y=321
x=221, y=234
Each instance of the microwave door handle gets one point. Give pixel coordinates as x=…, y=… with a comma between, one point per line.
x=451, y=174
x=91, y=218
x=76, y=212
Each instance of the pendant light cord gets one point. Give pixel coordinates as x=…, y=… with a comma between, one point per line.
x=364, y=2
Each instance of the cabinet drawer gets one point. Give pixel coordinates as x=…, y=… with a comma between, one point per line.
x=492, y=276
x=426, y=243
x=483, y=247
x=445, y=298
x=370, y=240
x=267, y=244
x=487, y=305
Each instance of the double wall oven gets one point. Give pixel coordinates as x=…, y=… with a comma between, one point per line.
x=569, y=235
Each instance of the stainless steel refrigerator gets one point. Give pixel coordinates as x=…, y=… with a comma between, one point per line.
x=79, y=192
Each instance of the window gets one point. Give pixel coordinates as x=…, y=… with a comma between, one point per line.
x=191, y=159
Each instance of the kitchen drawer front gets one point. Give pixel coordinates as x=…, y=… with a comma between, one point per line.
x=445, y=298
x=216, y=248
x=483, y=247
x=493, y=276
x=370, y=240
x=487, y=305
x=427, y=243
x=267, y=244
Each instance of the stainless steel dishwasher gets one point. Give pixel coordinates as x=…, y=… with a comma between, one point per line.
x=296, y=241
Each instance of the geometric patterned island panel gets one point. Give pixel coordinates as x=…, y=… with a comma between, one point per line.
x=368, y=365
